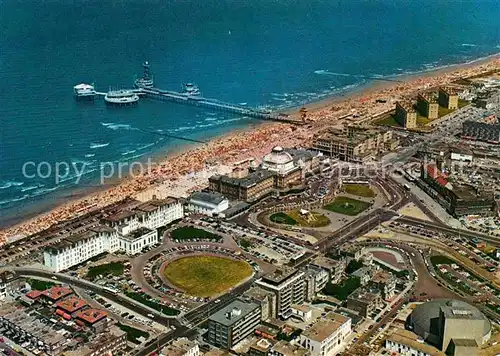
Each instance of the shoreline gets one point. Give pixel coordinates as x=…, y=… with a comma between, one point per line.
x=253, y=140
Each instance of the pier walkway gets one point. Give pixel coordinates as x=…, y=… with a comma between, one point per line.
x=217, y=105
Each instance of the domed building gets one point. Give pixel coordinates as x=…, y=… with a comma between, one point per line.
x=450, y=325
x=283, y=163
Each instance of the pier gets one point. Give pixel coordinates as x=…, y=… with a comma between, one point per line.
x=144, y=88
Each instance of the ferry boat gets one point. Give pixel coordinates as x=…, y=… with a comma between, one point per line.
x=191, y=90
x=146, y=81
x=84, y=92
x=121, y=97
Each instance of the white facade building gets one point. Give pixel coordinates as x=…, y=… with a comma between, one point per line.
x=207, y=203
x=326, y=337
x=129, y=231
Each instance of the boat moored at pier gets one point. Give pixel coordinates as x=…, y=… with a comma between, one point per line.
x=84, y=92
x=121, y=97
x=191, y=90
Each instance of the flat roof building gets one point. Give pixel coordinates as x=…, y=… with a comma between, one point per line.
x=448, y=97
x=427, y=105
x=288, y=285
x=406, y=115
x=250, y=187
x=207, y=203
x=326, y=336
x=233, y=323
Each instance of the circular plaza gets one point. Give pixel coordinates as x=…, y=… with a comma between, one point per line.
x=205, y=274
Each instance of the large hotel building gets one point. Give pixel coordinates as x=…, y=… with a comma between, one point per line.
x=129, y=231
x=354, y=144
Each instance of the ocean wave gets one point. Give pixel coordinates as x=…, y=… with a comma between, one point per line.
x=326, y=72
x=116, y=126
x=13, y=200
x=9, y=184
x=128, y=152
x=31, y=187
x=43, y=191
x=243, y=104
x=468, y=45
x=94, y=145
x=145, y=146
x=88, y=155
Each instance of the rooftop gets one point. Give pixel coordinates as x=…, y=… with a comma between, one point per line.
x=465, y=342
x=287, y=349
x=405, y=337
x=91, y=316
x=34, y=294
x=137, y=233
x=209, y=197
x=279, y=276
x=119, y=216
x=323, y=329
x=326, y=263
x=57, y=292
x=429, y=97
x=154, y=204
x=450, y=90
x=249, y=180
x=364, y=296
x=381, y=277
x=233, y=312
x=406, y=105
x=71, y=304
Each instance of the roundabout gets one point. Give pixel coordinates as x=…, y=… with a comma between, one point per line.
x=205, y=275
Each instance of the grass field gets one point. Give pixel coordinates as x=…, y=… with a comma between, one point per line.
x=190, y=233
x=293, y=217
x=205, y=276
x=39, y=285
x=113, y=268
x=361, y=190
x=342, y=290
x=132, y=333
x=347, y=206
x=282, y=218
x=388, y=121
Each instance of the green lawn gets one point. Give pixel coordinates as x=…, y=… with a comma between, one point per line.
x=113, y=268
x=205, y=276
x=312, y=219
x=462, y=103
x=141, y=298
x=347, y=206
x=361, y=190
x=39, y=285
x=282, y=218
x=441, y=260
x=342, y=290
x=388, y=121
x=190, y=233
x=132, y=333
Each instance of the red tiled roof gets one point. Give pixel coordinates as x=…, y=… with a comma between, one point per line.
x=56, y=292
x=91, y=316
x=441, y=181
x=71, y=304
x=34, y=294
x=432, y=171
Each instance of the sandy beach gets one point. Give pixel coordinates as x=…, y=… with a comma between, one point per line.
x=188, y=169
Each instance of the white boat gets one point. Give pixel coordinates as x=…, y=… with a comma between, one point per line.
x=191, y=90
x=84, y=91
x=146, y=81
x=121, y=97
